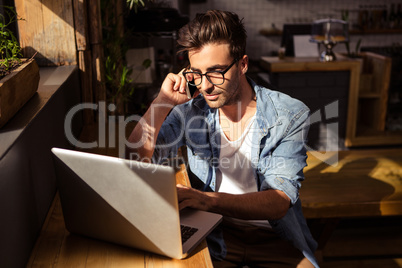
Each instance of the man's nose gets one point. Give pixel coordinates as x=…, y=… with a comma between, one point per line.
x=205, y=84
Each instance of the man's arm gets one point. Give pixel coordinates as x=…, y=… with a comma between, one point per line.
x=142, y=139
x=268, y=204
x=278, y=189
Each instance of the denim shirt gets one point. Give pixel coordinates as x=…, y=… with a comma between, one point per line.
x=278, y=156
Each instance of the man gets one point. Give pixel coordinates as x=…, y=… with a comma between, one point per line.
x=245, y=145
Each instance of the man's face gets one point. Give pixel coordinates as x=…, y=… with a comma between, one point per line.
x=216, y=57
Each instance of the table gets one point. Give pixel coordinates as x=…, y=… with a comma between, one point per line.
x=325, y=90
x=347, y=184
x=56, y=247
x=368, y=85
x=355, y=183
x=350, y=184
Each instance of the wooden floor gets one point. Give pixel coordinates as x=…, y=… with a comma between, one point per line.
x=364, y=242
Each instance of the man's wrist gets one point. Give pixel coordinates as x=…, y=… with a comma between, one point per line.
x=160, y=100
x=212, y=201
x=162, y=105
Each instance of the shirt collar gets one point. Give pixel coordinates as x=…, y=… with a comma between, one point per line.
x=266, y=115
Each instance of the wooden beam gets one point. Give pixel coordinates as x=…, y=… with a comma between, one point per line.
x=81, y=24
x=85, y=67
x=96, y=39
x=98, y=71
x=95, y=21
x=48, y=29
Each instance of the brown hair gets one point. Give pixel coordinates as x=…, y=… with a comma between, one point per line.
x=214, y=26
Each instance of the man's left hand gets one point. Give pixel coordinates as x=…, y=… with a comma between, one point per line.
x=189, y=197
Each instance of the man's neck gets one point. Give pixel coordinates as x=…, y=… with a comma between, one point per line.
x=244, y=107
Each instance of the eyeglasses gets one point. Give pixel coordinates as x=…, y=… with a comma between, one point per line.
x=214, y=77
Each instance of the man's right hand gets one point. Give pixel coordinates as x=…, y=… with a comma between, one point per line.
x=173, y=90
x=142, y=140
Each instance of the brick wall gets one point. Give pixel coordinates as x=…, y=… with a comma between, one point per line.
x=259, y=14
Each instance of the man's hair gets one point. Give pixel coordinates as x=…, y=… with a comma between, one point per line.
x=214, y=26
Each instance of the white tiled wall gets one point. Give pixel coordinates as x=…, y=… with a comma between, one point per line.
x=261, y=14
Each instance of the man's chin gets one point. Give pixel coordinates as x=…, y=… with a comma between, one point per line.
x=215, y=104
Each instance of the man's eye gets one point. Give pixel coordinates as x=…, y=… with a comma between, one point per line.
x=214, y=74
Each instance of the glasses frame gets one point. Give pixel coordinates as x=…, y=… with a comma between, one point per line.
x=206, y=75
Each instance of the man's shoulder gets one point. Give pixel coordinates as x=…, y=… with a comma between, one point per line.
x=197, y=105
x=281, y=102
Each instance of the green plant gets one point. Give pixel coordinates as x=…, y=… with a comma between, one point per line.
x=135, y=4
x=354, y=54
x=345, y=14
x=350, y=54
x=119, y=85
x=118, y=78
x=10, y=51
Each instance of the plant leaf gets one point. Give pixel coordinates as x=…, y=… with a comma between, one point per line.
x=147, y=63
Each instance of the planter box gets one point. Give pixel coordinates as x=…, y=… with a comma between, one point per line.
x=17, y=88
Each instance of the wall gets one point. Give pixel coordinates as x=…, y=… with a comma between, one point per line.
x=261, y=14
x=27, y=177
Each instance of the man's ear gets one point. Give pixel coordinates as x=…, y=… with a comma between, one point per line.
x=244, y=64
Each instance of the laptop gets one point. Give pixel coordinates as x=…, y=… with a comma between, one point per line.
x=127, y=202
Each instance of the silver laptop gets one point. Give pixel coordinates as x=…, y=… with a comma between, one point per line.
x=127, y=202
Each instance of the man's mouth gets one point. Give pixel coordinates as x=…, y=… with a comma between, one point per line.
x=211, y=96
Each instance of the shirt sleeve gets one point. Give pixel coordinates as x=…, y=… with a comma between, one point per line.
x=283, y=165
x=170, y=136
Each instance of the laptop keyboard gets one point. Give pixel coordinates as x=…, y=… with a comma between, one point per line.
x=187, y=232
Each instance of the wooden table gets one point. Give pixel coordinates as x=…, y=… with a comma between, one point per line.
x=368, y=91
x=358, y=183
x=56, y=247
x=355, y=183
x=313, y=64
x=350, y=184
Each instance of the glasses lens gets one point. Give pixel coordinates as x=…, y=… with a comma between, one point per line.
x=193, y=78
x=215, y=78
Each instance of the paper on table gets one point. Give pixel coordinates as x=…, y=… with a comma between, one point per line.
x=303, y=47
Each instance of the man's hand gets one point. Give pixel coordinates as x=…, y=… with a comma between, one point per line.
x=173, y=90
x=172, y=93
x=263, y=205
x=189, y=197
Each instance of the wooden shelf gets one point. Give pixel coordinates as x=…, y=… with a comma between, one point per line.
x=372, y=104
x=365, y=130
x=369, y=95
x=376, y=31
x=375, y=138
x=306, y=64
x=276, y=32
x=270, y=32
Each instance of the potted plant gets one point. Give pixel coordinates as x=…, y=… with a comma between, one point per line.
x=19, y=77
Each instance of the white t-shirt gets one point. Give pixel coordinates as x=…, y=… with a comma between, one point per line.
x=235, y=174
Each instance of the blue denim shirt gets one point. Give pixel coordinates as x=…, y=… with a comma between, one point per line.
x=278, y=155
